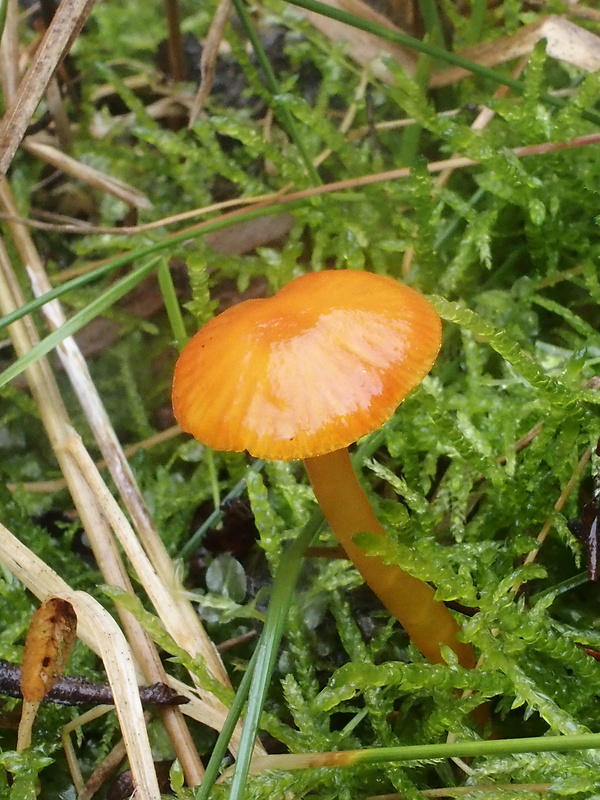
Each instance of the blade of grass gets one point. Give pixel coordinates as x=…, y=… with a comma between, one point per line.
x=167, y=289
x=422, y=752
x=410, y=147
x=268, y=647
x=222, y=744
x=398, y=37
x=213, y=478
x=78, y=320
x=411, y=138
x=140, y=253
x=435, y=34
x=257, y=678
x=3, y=7
x=479, y=10
x=57, y=292
x=433, y=22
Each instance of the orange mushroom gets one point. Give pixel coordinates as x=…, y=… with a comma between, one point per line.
x=302, y=375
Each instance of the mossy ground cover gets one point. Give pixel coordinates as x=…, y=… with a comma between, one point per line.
x=487, y=477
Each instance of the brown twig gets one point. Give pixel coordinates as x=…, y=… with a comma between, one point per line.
x=175, y=41
x=75, y=691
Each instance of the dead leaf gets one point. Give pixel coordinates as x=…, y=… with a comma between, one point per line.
x=364, y=48
x=83, y=172
x=49, y=641
x=565, y=41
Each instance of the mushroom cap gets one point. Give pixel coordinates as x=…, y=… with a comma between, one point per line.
x=310, y=370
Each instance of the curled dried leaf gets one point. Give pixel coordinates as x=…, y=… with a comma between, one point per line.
x=49, y=641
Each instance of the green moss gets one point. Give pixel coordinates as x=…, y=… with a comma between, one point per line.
x=507, y=248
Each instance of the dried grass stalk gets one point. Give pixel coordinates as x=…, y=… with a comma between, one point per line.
x=9, y=52
x=93, y=177
x=183, y=622
x=188, y=631
x=56, y=422
x=565, y=41
x=102, y=634
x=66, y=24
x=208, y=61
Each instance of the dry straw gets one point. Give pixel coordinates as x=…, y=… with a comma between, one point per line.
x=102, y=634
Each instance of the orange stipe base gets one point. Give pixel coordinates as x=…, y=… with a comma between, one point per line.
x=312, y=369
x=348, y=511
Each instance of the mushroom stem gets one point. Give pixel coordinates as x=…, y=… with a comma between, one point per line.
x=348, y=511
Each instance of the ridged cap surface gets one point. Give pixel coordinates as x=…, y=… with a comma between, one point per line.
x=312, y=369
